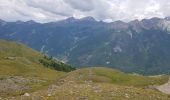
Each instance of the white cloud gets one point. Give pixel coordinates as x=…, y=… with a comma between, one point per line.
x=108, y=10
x=83, y=5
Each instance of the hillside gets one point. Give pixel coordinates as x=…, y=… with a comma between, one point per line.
x=101, y=84
x=23, y=77
x=21, y=70
x=136, y=46
x=108, y=75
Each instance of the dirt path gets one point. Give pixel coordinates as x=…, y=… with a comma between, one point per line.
x=165, y=88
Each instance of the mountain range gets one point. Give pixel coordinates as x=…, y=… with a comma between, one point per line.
x=136, y=46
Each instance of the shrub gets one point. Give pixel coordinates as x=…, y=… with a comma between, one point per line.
x=48, y=61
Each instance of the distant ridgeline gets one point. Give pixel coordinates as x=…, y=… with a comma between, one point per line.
x=137, y=46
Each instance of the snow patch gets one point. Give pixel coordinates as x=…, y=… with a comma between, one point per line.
x=130, y=33
x=117, y=49
x=108, y=62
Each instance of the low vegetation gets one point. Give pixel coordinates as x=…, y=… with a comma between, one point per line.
x=96, y=84
x=52, y=63
x=107, y=75
x=19, y=60
x=28, y=75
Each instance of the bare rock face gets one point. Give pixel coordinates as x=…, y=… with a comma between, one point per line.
x=164, y=25
x=119, y=26
x=136, y=25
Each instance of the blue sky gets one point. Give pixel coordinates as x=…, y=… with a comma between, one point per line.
x=106, y=10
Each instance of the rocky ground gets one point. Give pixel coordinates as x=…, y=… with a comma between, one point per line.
x=15, y=85
x=80, y=85
x=165, y=88
x=67, y=88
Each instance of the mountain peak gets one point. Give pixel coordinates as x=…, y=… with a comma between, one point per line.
x=134, y=21
x=84, y=19
x=1, y=21
x=70, y=19
x=151, y=20
x=118, y=22
x=31, y=22
x=89, y=18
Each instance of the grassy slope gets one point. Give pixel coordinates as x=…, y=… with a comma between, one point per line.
x=91, y=83
x=19, y=60
x=107, y=75
x=100, y=84
x=109, y=84
x=104, y=91
x=24, y=61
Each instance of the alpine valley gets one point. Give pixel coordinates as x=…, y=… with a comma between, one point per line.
x=137, y=46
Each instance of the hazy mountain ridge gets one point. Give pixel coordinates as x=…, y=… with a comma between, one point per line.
x=137, y=46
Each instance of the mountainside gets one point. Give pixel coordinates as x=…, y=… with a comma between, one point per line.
x=137, y=46
x=21, y=70
x=24, y=77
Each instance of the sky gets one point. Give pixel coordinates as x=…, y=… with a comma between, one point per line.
x=106, y=10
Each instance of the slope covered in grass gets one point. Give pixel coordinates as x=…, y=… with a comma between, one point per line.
x=107, y=75
x=108, y=84
x=102, y=84
x=17, y=59
x=21, y=72
x=20, y=67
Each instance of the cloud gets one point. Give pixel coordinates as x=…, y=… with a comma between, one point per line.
x=108, y=10
x=57, y=7
x=83, y=5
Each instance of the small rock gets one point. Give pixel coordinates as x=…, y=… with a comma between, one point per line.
x=97, y=91
x=71, y=82
x=71, y=92
x=126, y=95
x=75, y=86
x=10, y=58
x=42, y=96
x=0, y=98
x=62, y=80
x=49, y=95
x=27, y=94
x=112, y=93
